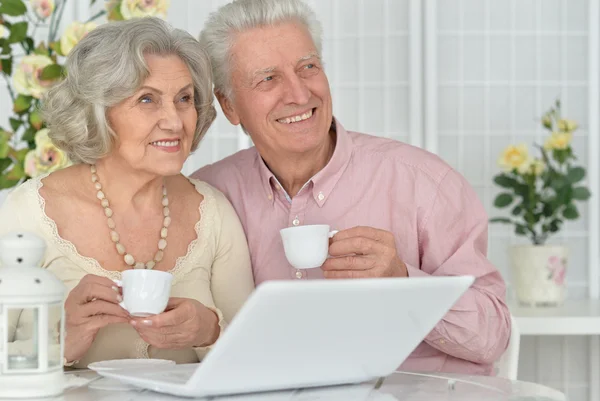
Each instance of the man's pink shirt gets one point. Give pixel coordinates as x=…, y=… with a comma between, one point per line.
x=439, y=224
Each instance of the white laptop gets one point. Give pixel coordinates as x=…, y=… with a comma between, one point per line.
x=300, y=334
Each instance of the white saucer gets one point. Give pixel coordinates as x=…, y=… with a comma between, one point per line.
x=110, y=384
x=130, y=364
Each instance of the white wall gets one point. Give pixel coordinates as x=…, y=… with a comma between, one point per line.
x=463, y=78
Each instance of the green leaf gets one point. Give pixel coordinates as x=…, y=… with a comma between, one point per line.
x=115, y=14
x=13, y=8
x=517, y=210
x=18, y=32
x=548, y=209
x=555, y=225
x=6, y=64
x=41, y=49
x=29, y=135
x=581, y=193
x=5, y=46
x=15, y=123
x=520, y=229
x=505, y=181
x=22, y=104
x=503, y=200
x=20, y=154
x=16, y=172
x=522, y=190
x=4, y=146
x=29, y=42
x=6, y=183
x=51, y=71
x=575, y=174
x=558, y=183
x=501, y=220
x=56, y=47
x=35, y=119
x=4, y=164
x=570, y=212
x=560, y=155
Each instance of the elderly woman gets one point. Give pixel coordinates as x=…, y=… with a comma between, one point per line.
x=136, y=102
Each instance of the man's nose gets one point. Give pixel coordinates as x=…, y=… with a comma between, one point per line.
x=296, y=90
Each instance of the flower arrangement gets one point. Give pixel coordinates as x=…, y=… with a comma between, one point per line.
x=31, y=67
x=542, y=191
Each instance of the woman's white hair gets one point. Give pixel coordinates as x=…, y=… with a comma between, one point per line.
x=241, y=15
x=106, y=67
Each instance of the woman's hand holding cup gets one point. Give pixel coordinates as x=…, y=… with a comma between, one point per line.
x=90, y=306
x=185, y=323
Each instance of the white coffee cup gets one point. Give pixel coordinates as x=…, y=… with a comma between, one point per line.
x=306, y=247
x=145, y=292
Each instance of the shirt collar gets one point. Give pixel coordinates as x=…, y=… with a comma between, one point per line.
x=326, y=179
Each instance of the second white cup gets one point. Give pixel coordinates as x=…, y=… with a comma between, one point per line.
x=145, y=292
x=306, y=247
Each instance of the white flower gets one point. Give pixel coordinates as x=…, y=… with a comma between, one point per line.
x=27, y=75
x=73, y=34
x=2, y=31
x=144, y=8
x=45, y=157
x=42, y=8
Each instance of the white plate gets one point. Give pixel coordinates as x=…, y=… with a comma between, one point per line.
x=130, y=364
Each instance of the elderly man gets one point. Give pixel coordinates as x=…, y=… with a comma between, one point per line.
x=401, y=211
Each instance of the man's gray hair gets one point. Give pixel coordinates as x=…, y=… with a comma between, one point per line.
x=242, y=15
x=106, y=67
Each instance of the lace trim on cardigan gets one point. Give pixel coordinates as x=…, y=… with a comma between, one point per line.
x=141, y=349
x=92, y=266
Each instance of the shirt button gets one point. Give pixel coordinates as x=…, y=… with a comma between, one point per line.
x=442, y=341
x=320, y=196
x=296, y=222
x=270, y=197
x=298, y=274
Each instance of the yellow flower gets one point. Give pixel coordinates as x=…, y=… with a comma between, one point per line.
x=27, y=75
x=144, y=8
x=558, y=141
x=514, y=157
x=532, y=166
x=45, y=157
x=42, y=8
x=73, y=34
x=567, y=125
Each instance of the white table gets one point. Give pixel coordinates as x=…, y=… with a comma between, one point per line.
x=400, y=386
x=572, y=318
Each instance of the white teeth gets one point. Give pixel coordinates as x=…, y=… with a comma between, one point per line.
x=166, y=144
x=294, y=119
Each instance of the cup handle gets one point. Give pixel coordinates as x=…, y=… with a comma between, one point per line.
x=120, y=284
x=332, y=233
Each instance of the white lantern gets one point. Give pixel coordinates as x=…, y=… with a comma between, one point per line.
x=32, y=365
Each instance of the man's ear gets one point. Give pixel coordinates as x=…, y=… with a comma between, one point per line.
x=228, y=108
